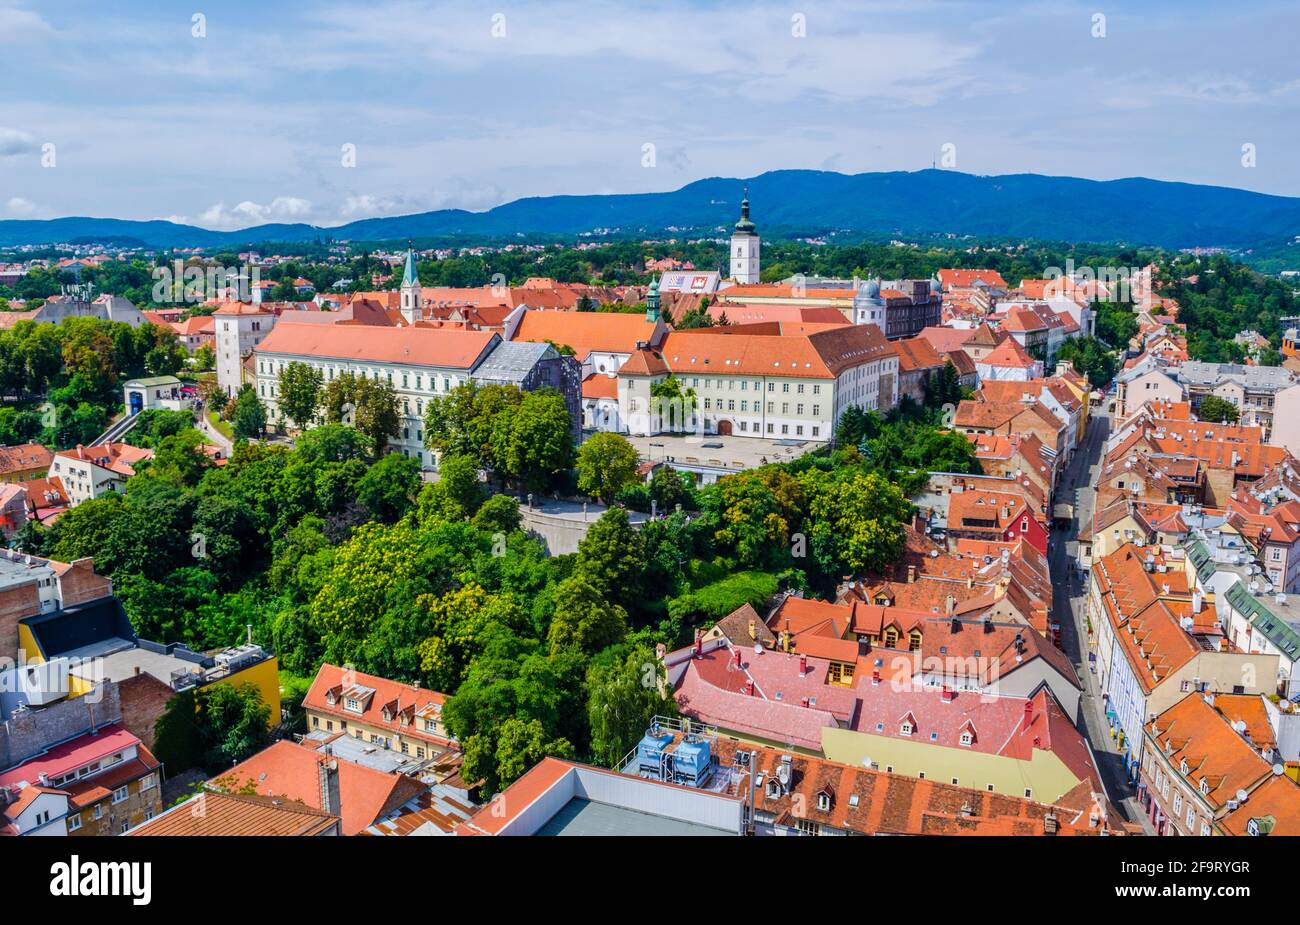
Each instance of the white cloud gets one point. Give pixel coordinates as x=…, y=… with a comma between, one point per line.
x=20, y=206
x=14, y=142
x=246, y=213
x=18, y=25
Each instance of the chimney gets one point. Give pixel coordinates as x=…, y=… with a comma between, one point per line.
x=749, y=688
x=1029, y=715
x=1050, y=823
x=803, y=665
x=329, y=784
x=950, y=604
x=736, y=652
x=698, y=637
x=947, y=694
x=753, y=631
x=911, y=574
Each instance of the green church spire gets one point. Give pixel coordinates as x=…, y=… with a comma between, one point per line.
x=744, y=226
x=409, y=276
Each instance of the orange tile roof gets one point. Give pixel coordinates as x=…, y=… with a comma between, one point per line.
x=287, y=769
x=962, y=279
x=1194, y=731
x=585, y=332
x=1274, y=806
x=116, y=457
x=990, y=414
x=454, y=349
x=211, y=813
x=24, y=457
x=917, y=353
x=821, y=355
x=1008, y=355
x=405, y=704
x=599, y=385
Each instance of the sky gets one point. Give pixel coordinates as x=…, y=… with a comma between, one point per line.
x=230, y=114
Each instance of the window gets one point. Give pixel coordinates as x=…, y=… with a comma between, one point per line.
x=808, y=827
x=1178, y=803
x=120, y=794
x=906, y=729
x=99, y=810
x=147, y=782
x=121, y=829
x=74, y=822
x=967, y=739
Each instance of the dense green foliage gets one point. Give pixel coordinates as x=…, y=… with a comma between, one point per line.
x=62, y=383
x=1217, y=410
x=1218, y=298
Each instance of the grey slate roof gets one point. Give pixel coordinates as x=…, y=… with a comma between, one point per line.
x=1267, y=378
x=512, y=361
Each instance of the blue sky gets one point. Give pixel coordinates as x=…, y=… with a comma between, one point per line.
x=247, y=123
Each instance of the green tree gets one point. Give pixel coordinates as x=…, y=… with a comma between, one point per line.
x=498, y=514
x=1217, y=410
x=583, y=619
x=249, y=415
x=378, y=415
x=501, y=759
x=389, y=487
x=299, y=392
x=674, y=402
x=457, y=494
x=625, y=693
x=669, y=488
x=233, y=723
x=612, y=558
x=858, y=523
x=607, y=464
x=178, y=740
x=539, y=441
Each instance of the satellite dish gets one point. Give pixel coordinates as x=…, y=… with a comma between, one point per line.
x=1278, y=770
x=758, y=648
x=1242, y=796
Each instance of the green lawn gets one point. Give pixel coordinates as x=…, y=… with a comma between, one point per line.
x=224, y=428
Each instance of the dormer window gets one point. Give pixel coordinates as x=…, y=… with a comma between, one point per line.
x=824, y=802
x=773, y=788
x=352, y=704
x=1182, y=766
x=1205, y=786
x=967, y=739
x=906, y=729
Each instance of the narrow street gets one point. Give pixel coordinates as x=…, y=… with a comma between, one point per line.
x=1070, y=608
